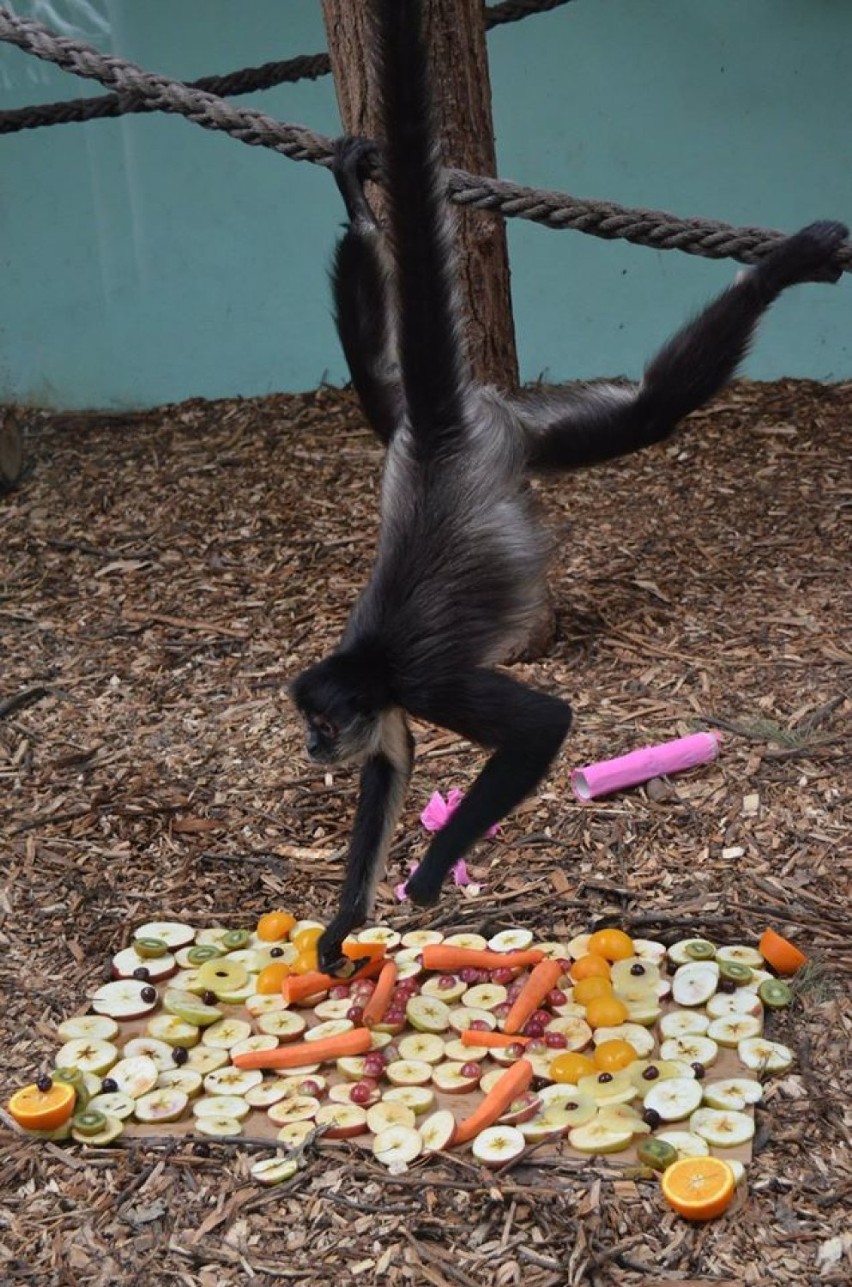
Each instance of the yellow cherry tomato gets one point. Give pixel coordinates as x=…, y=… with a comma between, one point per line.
x=275, y=925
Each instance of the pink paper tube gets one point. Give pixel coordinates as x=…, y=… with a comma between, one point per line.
x=648, y=762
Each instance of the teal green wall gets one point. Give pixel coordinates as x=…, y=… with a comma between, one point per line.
x=145, y=260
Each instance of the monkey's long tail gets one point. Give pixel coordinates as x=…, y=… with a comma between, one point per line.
x=435, y=371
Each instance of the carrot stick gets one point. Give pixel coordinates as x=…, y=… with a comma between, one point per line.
x=475, y=1037
x=512, y=1084
x=374, y=1010
x=296, y=987
x=437, y=956
x=543, y=979
x=352, y=1042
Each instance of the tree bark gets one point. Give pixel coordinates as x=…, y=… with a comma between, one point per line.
x=455, y=32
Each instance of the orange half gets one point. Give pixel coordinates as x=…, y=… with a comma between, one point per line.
x=43, y=1110
x=699, y=1188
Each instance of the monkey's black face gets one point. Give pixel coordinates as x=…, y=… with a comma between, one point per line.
x=337, y=725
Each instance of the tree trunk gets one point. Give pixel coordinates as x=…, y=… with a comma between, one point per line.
x=455, y=31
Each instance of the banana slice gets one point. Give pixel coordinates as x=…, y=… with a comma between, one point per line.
x=682, y=1023
x=732, y=1093
x=690, y=1049
x=599, y=1137
x=497, y=1145
x=396, y=1146
x=764, y=1056
x=674, y=1099
x=724, y=1128
x=274, y=1170
x=686, y=1143
x=511, y=940
x=731, y=1029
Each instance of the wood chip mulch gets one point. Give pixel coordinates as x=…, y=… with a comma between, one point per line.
x=164, y=574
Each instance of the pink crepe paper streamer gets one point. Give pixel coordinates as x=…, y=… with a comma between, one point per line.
x=436, y=815
x=648, y=762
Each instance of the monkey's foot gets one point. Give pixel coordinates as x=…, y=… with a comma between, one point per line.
x=807, y=256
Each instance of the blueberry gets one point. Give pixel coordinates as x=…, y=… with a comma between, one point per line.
x=603, y=1078
x=180, y=1054
x=148, y=995
x=727, y=985
x=651, y=1118
x=109, y=1085
x=201, y=1149
x=651, y=1073
x=208, y=997
x=141, y=972
x=44, y=1083
x=276, y=951
x=699, y=1070
x=637, y=968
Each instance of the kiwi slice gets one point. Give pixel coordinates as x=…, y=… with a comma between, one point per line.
x=700, y=949
x=73, y=1077
x=735, y=971
x=202, y=952
x=657, y=1154
x=235, y=939
x=90, y=1122
x=775, y=993
x=150, y=948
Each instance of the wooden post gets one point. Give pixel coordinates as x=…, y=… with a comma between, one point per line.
x=455, y=31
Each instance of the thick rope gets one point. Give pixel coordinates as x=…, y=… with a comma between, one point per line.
x=605, y=219
x=246, y=81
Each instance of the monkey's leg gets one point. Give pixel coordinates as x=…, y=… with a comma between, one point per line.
x=384, y=779
x=606, y=420
x=527, y=729
x=362, y=289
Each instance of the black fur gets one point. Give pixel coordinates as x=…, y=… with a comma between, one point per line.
x=459, y=569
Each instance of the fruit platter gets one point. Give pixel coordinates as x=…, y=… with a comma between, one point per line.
x=600, y=1044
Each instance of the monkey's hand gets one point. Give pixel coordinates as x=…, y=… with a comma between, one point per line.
x=424, y=886
x=330, y=956
x=807, y=256
x=354, y=161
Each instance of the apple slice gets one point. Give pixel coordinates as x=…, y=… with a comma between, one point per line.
x=674, y=1099
x=428, y=1014
x=331, y=1028
x=203, y=1059
x=294, y=1134
x=691, y=1049
x=523, y=1109
x=439, y=986
x=269, y=1092
x=438, y=1131
x=554, y=950
x=381, y=1116
x=540, y=1128
x=450, y=1080
x=636, y=1034
x=286, y=1025
x=341, y=1121
x=123, y=999
x=418, y=1098
x=731, y=1029
x=219, y=1127
x=625, y=1117
x=135, y=1076
x=648, y=949
x=764, y=1056
x=165, y=1104
x=421, y=938
x=189, y=1007
x=161, y=1052
x=646, y=1010
x=723, y=1128
x=484, y=996
x=264, y=1003
x=566, y=1110
x=609, y=1088
x=633, y=977
x=645, y=1073
x=576, y=1032
x=685, y=1143
x=233, y=1106
x=223, y=976
x=683, y=1023
x=471, y=942
x=742, y=1001
x=599, y=1137
x=497, y=1145
x=108, y=1134
x=510, y=940
x=579, y=946
x=232, y=1081
x=273, y=1170
x=341, y=1093
x=88, y=1027
x=457, y=1052
x=423, y=1046
x=115, y=1103
x=173, y=933
x=694, y=984
x=295, y=1108
x=185, y=1079
x=396, y=1146
x=409, y=1072
x=125, y=962
x=333, y=1009
x=380, y=934
x=225, y=1033
x=260, y=1041
x=490, y=1079
x=172, y=1030
x=742, y=954
x=687, y=950
x=407, y=969
x=87, y=1054
x=732, y=1093
x=462, y=1017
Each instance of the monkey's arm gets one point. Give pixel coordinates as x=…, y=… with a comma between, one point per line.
x=604, y=421
x=362, y=290
x=525, y=727
x=384, y=779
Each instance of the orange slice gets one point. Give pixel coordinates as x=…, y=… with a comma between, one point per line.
x=43, y=1110
x=780, y=953
x=699, y=1188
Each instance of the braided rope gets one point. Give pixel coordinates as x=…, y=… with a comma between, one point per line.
x=245, y=81
x=605, y=219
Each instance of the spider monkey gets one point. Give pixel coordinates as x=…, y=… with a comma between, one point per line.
x=459, y=568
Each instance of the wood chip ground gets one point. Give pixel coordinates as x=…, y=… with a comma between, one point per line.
x=162, y=575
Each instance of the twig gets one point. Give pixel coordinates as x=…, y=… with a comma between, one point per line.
x=19, y=700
